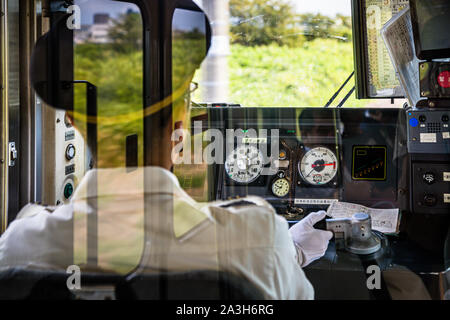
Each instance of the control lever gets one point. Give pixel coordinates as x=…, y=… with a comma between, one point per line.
x=354, y=234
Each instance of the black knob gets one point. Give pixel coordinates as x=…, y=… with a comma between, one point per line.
x=422, y=118
x=445, y=118
x=430, y=200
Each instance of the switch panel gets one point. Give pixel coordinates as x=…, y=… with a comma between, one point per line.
x=431, y=188
x=428, y=131
x=64, y=154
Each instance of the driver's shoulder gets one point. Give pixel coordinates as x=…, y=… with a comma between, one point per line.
x=243, y=205
x=36, y=217
x=33, y=209
x=249, y=210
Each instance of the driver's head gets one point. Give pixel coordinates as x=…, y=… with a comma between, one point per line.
x=119, y=99
x=161, y=119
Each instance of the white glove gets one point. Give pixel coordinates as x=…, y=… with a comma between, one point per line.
x=311, y=243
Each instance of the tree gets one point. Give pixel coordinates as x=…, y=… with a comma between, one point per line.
x=343, y=27
x=262, y=22
x=316, y=25
x=321, y=26
x=126, y=33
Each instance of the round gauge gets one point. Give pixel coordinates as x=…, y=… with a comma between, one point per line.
x=280, y=187
x=244, y=164
x=318, y=166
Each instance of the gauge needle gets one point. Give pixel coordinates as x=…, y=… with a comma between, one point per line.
x=310, y=173
x=323, y=165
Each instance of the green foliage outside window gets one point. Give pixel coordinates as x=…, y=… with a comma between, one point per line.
x=264, y=22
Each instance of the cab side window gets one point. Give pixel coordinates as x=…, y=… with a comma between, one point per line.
x=108, y=53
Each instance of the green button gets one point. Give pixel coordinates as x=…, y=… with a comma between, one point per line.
x=68, y=190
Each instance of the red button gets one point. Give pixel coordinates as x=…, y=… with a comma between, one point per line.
x=444, y=79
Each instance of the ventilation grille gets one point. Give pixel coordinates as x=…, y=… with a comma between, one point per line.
x=434, y=127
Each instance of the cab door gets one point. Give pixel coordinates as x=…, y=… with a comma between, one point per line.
x=10, y=111
x=3, y=132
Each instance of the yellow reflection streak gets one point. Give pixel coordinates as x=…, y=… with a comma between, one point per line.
x=124, y=118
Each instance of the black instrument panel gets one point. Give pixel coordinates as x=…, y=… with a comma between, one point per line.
x=356, y=155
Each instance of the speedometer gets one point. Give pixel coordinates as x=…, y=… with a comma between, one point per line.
x=244, y=164
x=318, y=166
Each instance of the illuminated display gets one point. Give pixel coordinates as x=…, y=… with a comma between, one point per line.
x=369, y=163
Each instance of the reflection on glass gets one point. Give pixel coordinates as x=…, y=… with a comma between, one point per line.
x=434, y=22
x=108, y=53
x=188, y=51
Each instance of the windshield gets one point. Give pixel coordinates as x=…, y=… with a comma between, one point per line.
x=279, y=53
x=173, y=138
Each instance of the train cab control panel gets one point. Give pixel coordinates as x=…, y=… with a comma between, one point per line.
x=322, y=155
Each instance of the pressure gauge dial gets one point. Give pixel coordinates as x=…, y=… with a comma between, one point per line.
x=318, y=166
x=244, y=164
x=280, y=187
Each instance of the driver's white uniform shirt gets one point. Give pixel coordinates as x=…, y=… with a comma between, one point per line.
x=244, y=236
